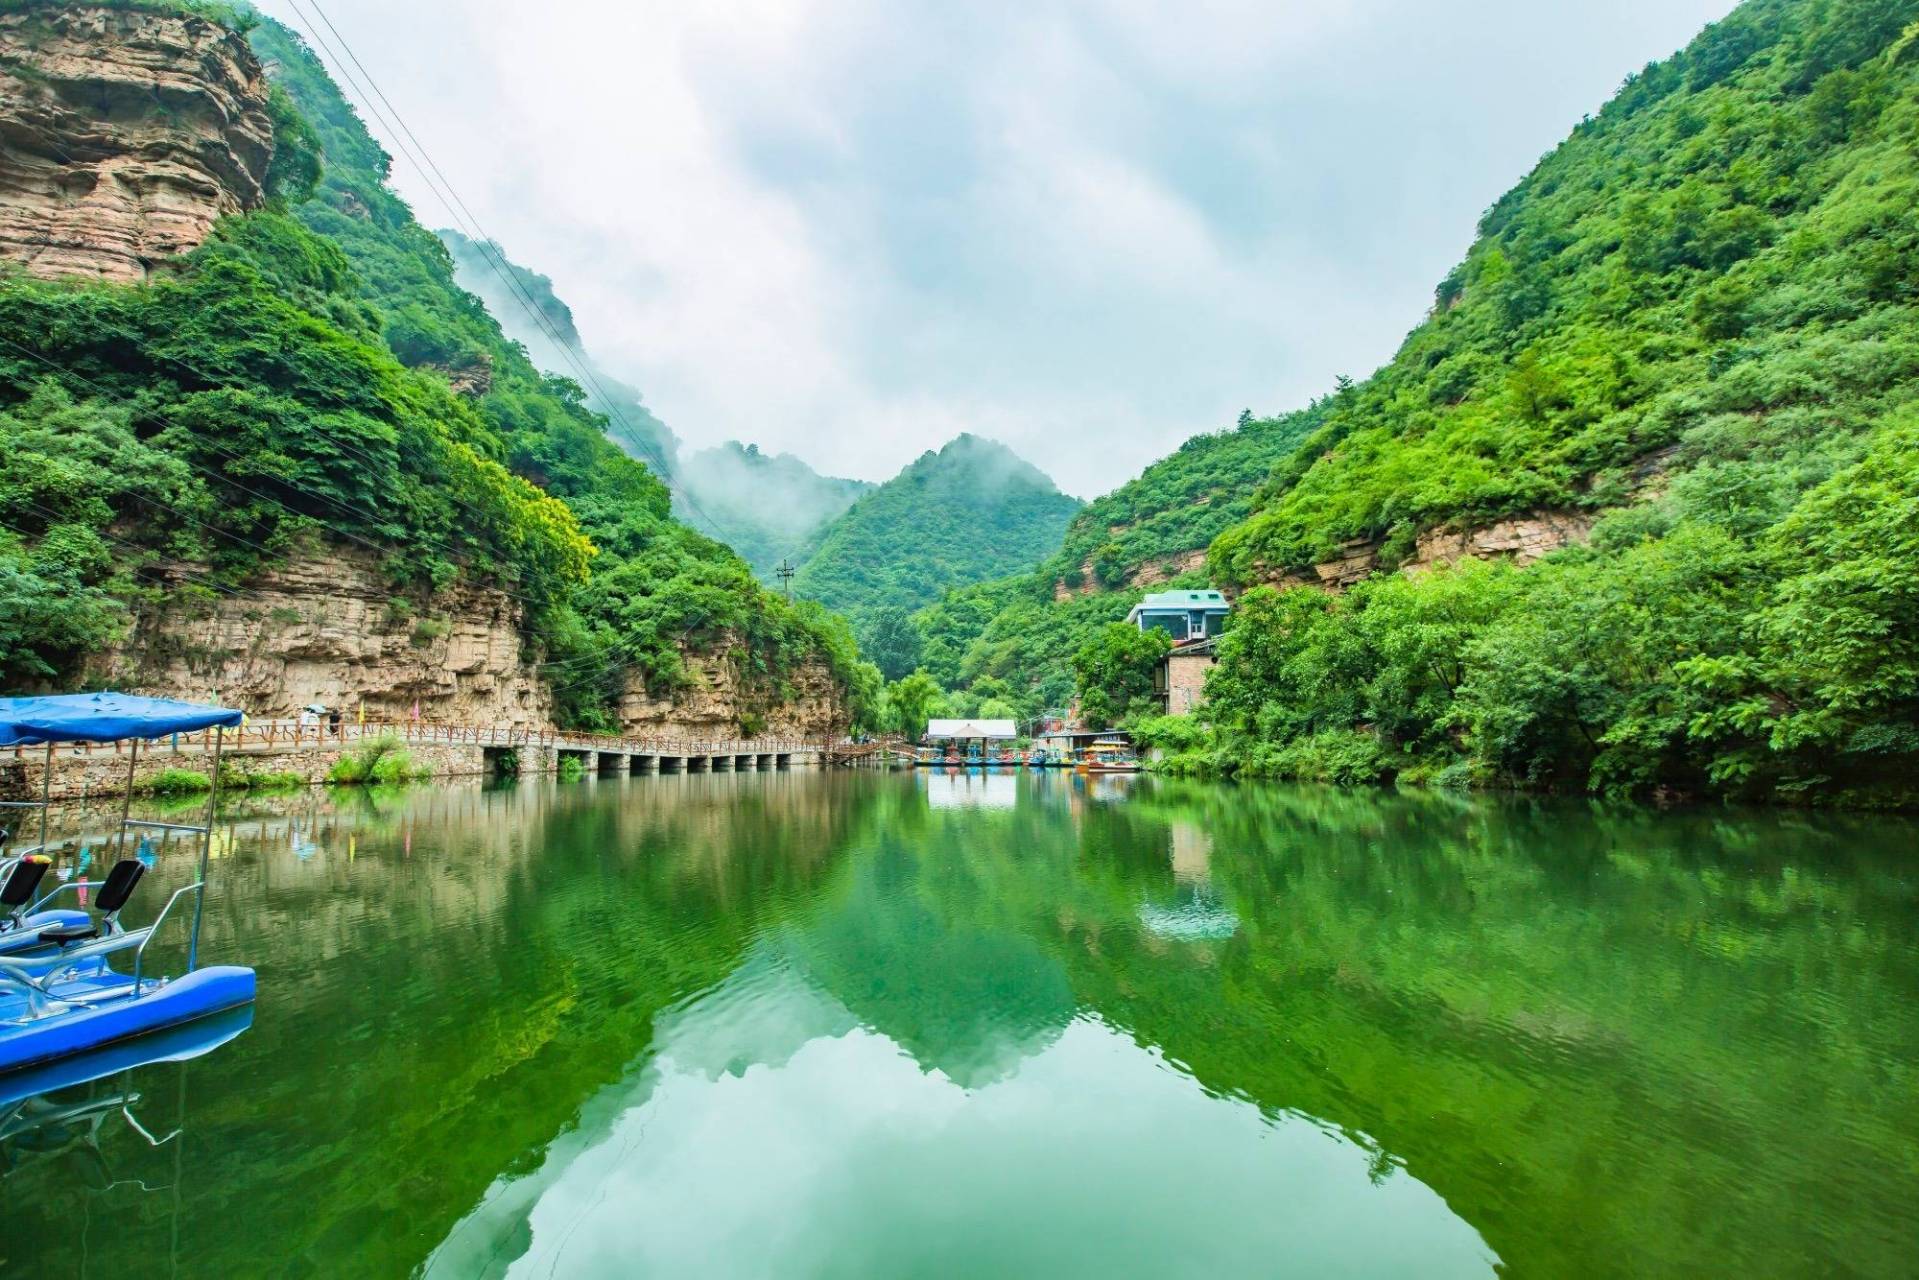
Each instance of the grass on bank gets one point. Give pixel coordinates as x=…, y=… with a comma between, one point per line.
x=381, y=762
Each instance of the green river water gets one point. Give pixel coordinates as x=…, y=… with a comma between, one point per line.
x=890, y=1025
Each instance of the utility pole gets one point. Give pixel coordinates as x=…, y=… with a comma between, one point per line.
x=785, y=573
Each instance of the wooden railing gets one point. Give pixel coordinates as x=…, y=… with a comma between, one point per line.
x=289, y=734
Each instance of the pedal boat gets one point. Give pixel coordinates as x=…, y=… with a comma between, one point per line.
x=59, y=993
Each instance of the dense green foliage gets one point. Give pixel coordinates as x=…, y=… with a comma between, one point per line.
x=971, y=512
x=1150, y=532
x=893, y=642
x=381, y=762
x=1113, y=672
x=1720, y=274
x=1155, y=527
x=292, y=383
x=1680, y=651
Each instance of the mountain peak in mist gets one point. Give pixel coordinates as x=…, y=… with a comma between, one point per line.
x=968, y=512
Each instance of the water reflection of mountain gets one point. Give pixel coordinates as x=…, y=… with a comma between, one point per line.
x=1569, y=1023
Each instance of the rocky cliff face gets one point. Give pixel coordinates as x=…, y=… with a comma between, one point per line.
x=720, y=706
x=327, y=629
x=123, y=136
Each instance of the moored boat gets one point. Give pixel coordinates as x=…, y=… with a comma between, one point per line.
x=60, y=995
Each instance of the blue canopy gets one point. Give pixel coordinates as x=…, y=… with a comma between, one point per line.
x=103, y=717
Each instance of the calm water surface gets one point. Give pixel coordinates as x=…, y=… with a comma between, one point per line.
x=897, y=1025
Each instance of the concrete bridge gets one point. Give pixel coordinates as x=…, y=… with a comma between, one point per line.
x=311, y=750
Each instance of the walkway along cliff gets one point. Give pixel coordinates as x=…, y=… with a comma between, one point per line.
x=241, y=459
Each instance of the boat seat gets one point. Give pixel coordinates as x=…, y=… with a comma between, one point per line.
x=19, y=887
x=61, y=935
x=63, y=946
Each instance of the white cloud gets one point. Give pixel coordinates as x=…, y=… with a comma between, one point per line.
x=850, y=230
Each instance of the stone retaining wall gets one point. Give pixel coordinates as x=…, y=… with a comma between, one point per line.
x=79, y=775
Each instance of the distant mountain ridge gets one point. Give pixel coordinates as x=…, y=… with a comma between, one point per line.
x=553, y=343
x=769, y=506
x=969, y=512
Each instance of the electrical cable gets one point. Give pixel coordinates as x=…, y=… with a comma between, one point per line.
x=469, y=226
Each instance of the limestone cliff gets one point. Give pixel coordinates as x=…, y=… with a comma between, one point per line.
x=123, y=136
x=328, y=629
x=720, y=705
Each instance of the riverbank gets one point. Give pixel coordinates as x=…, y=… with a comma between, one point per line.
x=1182, y=747
x=310, y=754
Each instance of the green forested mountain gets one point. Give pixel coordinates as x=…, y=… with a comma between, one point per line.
x=1159, y=525
x=1697, y=319
x=531, y=314
x=291, y=384
x=1022, y=631
x=767, y=506
x=970, y=512
x=1693, y=326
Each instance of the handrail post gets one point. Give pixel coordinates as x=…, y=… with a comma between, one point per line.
x=206, y=851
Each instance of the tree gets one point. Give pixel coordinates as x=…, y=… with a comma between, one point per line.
x=910, y=703
x=1113, y=671
x=892, y=642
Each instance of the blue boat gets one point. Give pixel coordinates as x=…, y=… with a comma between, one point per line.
x=60, y=995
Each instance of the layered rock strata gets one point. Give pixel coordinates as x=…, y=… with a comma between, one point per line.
x=124, y=135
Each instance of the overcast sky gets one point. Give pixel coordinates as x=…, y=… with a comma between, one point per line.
x=850, y=229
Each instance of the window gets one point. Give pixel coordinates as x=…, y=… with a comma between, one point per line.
x=1171, y=623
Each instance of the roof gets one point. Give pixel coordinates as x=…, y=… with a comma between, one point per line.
x=971, y=729
x=1185, y=600
x=103, y=717
x=1181, y=602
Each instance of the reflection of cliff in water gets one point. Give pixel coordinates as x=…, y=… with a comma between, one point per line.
x=1569, y=1022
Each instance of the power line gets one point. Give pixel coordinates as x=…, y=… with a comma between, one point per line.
x=469, y=225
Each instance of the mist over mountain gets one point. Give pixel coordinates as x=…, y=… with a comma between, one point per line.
x=531, y=314
x=769, y=507
x=972, y=511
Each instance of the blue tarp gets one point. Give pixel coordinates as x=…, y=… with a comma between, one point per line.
x=103, y=717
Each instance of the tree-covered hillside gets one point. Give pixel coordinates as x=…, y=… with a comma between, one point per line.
x=531, y=314
x=1699, y=319
x=1158, y=526
x=971, y=512
x=768, y=507
x=314, y=376
x=1021, y=633
x=1721, y=261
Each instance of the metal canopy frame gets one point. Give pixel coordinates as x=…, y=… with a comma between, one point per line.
x=129, y=823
